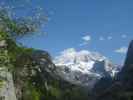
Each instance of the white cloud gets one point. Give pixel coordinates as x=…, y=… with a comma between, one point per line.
x=121, y=50
x=124, y=36
x=101, y=38
x=109, y=37
x=84, y=43
x=86, y=38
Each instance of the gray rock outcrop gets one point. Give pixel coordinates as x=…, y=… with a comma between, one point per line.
x=7, y=90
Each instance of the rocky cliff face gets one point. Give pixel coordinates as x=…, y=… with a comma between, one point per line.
x=7, y=90
x=129, y=58
x=125, y=76
x=31, y=74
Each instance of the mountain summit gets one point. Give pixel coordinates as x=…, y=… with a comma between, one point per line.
x=83, y=67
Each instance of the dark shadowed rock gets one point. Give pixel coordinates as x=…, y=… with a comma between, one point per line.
x=127, y=71
x=129, y=58
x=99, y=68
x=121, y=87
x=102, y=84
x=43, y=59
x=125, y=76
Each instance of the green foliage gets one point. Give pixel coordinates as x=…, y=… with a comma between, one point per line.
x=3, y=36
x=19, y=27
x=1, y=83
x=35, y=94
x=56, y=92
x=16, y=50
x=31, y=93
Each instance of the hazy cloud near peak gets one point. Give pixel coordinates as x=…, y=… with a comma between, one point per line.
x=86, y=38
x=109, y=37
x=122, y=50
x=101, y=38
x=123, y=36
x=84, y=43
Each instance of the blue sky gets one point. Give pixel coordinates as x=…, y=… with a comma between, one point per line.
x=104, y=26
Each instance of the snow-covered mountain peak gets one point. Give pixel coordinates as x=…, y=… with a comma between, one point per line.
x=83, y=66
x=71, y=55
